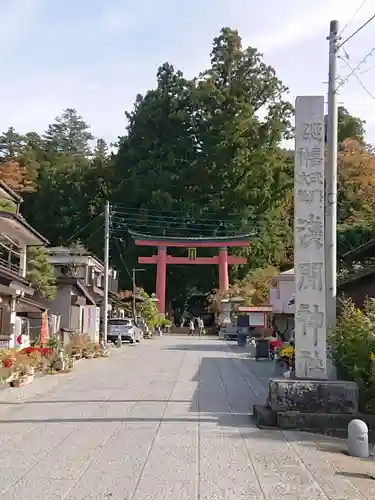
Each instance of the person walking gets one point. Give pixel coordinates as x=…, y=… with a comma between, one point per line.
x=191, y=327
x=200, y=326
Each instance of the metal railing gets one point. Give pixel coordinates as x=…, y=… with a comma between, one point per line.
x=10, y=266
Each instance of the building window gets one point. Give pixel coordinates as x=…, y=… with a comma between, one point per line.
x=99, y=281
x=2, y=321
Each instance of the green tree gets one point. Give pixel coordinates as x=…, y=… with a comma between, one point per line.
x=40, y=272
x=200, y=148
x=101, y=150
x=70, y=134
x=66, y=174
x=149, y=310
x=350, y=127
x=11, y=144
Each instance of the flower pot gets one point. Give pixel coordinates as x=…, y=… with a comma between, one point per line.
x=58, y=365
x=8, y=362
x=21, y=381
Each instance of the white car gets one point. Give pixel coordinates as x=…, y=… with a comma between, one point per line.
x=125, y=327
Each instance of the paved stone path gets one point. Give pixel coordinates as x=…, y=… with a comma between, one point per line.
x=166, y=419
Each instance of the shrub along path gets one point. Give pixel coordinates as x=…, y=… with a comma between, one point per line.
x=166, y=419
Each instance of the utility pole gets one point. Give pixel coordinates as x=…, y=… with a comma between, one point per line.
x=106, y=270
x=331, y=180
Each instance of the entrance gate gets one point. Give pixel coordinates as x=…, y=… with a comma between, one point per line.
x=162, y=259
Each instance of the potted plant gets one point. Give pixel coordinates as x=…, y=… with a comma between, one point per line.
x=6, y=374
x=78, y=343
x=166, y=324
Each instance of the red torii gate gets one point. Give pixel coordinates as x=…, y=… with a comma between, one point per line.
x=162, y=259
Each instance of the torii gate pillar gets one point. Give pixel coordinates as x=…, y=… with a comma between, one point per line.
x=161, y=278
x=223, y=270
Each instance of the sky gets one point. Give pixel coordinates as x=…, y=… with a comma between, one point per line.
x=96, y=55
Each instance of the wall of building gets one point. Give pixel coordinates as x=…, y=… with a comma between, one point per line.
x=5, y=316
x=284, y=322
x=358, y=290
x=75, y=318
x=62, y=305
x=280, y=297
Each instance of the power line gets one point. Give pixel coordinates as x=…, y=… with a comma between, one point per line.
x=122, y=257
x=180, y=224
x=77, y=233
x=85, y=240
x=356, y=31
x=254, y=225
x=354, y=73
x=367, y=70
x=353, y=70
x=161, y=216
x=368, y=244
x=175, y=221
x=161, y=210
x=352, y=18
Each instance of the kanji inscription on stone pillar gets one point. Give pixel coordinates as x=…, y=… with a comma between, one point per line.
x=309, y=265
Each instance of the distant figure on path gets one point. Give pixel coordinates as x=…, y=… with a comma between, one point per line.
x=191, y=327
x=200, y=326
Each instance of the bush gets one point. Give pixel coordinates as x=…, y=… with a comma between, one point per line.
x=149, y=310
x=353, y=349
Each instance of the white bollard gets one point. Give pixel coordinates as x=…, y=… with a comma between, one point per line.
x=358, y=439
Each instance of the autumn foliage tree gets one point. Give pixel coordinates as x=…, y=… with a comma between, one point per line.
x=356, y=176
x=17, y=176
x=253, y=287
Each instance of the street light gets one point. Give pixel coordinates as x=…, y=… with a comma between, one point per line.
x=135, y=270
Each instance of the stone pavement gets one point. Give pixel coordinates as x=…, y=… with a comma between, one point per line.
x=166, y=419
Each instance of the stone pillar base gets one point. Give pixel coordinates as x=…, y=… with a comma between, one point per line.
x=322, y=406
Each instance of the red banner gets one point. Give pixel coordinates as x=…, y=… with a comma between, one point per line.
x=44, y=329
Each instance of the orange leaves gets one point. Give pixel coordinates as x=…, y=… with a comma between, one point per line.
x=356, y=177
x=17, y=177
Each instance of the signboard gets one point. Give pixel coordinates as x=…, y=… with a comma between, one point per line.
x=44, y=329
x=192, y=253
x=258, y=319
x=90, y=318
x=309, y=265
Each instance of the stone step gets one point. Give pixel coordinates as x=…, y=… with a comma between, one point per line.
x=264, y=416
x=330, y=424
